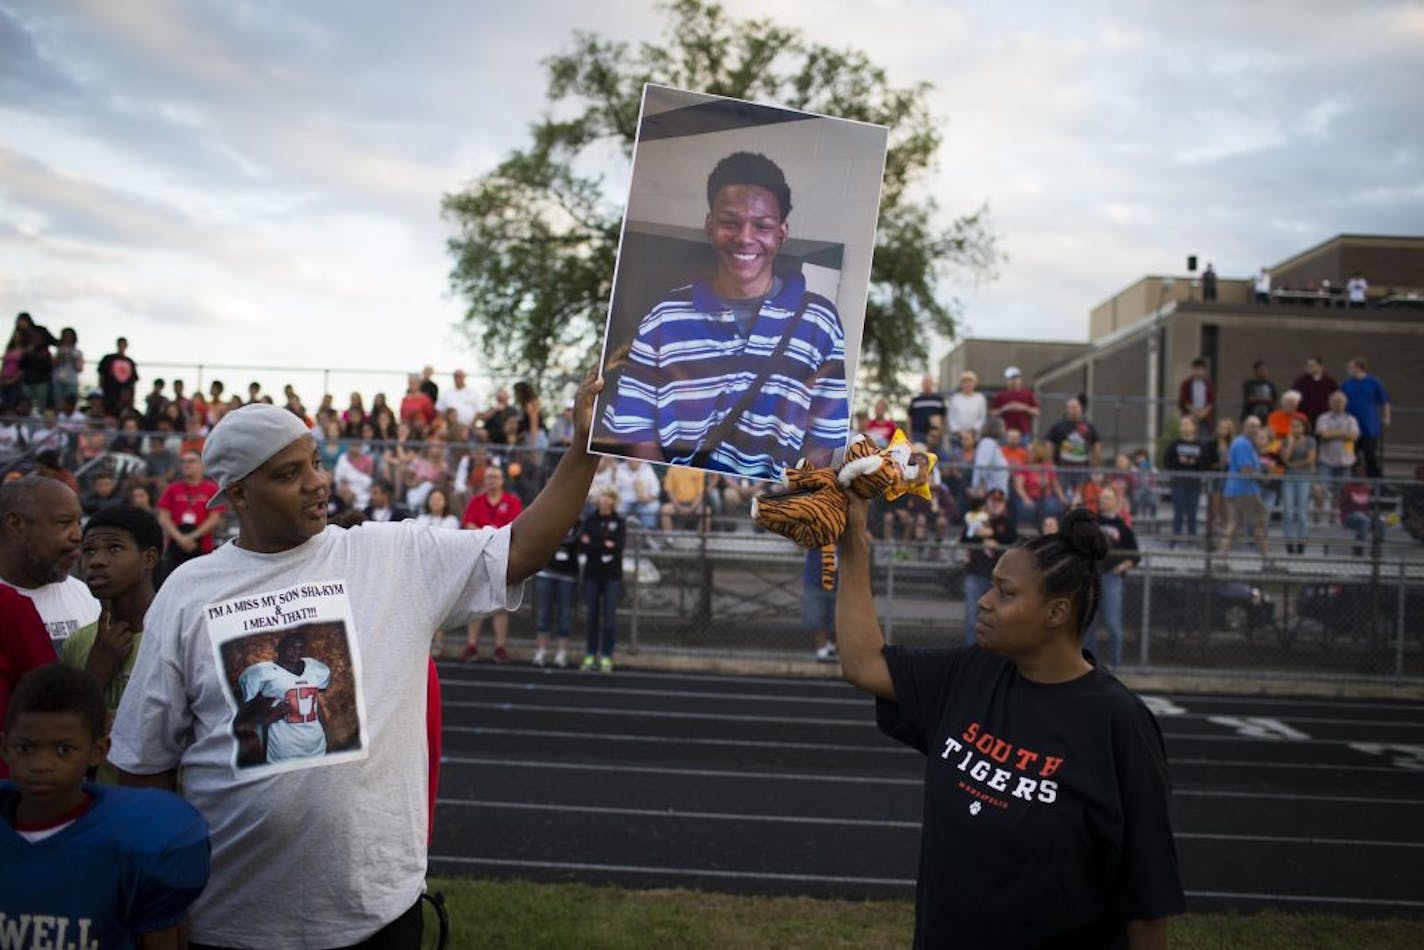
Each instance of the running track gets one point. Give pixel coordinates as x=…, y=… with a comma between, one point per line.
x=784, y=786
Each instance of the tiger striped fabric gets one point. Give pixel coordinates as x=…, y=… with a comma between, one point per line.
x=690, y=364
x=810, y=510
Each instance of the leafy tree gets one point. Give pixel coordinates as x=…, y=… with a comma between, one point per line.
x=536, y=237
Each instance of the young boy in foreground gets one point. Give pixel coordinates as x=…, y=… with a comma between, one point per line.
x=87, y=865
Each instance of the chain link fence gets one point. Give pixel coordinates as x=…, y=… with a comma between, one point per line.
x=1351, y=603
x=738, y=594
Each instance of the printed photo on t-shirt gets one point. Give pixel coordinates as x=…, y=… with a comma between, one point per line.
x=291, y=671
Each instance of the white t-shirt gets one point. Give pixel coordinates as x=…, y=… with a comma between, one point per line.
x=64, y=606
x=12, y=440
x=603, y=479
x=967, y=413
x=358, y=481
x=465, y=402
x=629, y=481
x=991, y=467
x=323, y=850
x=1357, y=288
x=448, y=522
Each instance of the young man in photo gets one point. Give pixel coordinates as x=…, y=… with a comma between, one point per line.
x=743, y=372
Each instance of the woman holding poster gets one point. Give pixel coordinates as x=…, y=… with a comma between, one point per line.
x=1045, y=807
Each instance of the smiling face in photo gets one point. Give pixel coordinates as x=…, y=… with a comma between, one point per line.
x=747, y=230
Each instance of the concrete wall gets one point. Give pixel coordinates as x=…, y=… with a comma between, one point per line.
x=989, y=358
x=1150, y=293
x=1116, y=379
x=1386, y=262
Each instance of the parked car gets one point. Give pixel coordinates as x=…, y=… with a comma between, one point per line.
x=1177, y=604
x=1335, y=611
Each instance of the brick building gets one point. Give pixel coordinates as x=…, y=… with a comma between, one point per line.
x=1142, y=341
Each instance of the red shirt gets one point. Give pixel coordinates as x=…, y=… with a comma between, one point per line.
x=881, y=430
x=481, y=513
x=433, y=719
x=1354, y=496
x=1015, y=418
x=417, y=406
x=24, y=645
x=187, y=505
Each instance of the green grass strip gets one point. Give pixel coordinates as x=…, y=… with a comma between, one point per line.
x=489, y=913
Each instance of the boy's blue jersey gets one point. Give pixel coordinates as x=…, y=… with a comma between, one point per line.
x=130, y=865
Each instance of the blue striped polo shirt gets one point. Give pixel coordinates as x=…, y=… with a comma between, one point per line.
x=690, y=364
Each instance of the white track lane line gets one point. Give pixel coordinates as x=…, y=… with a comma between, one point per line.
x=1285, y=797
x=1307, y=899
x=668, y=770
x=887, y=746
x=1184, y=699
x=681, y=694
x=685, y=815
x=631, y=673
x=853, y=702
x=854, y=779
x=866, y=723
x=661, y=813
x=676, y=872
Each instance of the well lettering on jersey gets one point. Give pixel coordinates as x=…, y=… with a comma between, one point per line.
x=45, y=932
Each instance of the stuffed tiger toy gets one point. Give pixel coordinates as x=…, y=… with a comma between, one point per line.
x=811, y=509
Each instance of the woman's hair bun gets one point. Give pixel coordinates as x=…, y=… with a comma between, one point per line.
x=1080, y=529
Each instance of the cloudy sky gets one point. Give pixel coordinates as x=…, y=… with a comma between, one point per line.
x=259, y=183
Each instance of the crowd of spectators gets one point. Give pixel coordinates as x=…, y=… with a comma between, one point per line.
x=453, y=457
x=1305, y=454
x=431, y=453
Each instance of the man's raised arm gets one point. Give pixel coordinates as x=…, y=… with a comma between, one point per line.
x=536, y=533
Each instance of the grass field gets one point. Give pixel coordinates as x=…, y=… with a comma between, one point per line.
x=526, y=915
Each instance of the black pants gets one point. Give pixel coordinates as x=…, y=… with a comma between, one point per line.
x=1367, y=448
x=403, y=933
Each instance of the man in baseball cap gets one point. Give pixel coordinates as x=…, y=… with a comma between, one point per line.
x=244, y=439
x=349, y=813
x=1015, y=404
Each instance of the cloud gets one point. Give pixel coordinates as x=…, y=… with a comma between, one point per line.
x=273, y=172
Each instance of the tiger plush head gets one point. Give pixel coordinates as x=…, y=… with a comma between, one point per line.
x=810, y=510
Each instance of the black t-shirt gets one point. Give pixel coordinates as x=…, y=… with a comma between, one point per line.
x=1258, y=397
x=1072, y=442
x=977, y=528
x=604, y=561
x=1120, y=538
x=923, y=408
x=1045, y=811
x=564, y=562
x=1186, y=455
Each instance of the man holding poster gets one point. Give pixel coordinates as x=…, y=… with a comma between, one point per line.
x=286, y=674
x=742, y=372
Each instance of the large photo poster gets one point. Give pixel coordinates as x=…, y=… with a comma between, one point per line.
x=739, y=296
x=291, y=669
